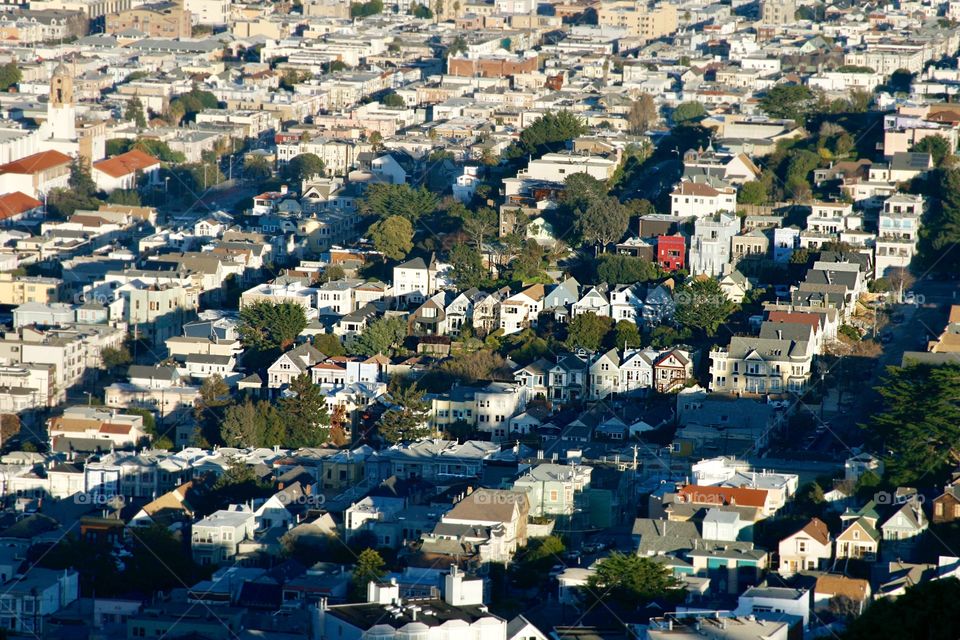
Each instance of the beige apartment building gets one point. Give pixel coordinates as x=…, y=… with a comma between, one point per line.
x=644, y=20
x=17, y=290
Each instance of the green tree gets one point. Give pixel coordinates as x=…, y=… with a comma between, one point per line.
x=368, y=568
x=265, y=325
x=458, y=46
x=80, y=182
x=304, y=414
x=10, y=75
x=900, y=81
x=381, y=336
x=468, y=269
x=629, y=580
x=257, y=169
x=406, y=420
x=918, y=422
x=626, y=334
x=549, y=132
x=303, y=167
x=114, y=358
x=386, y=200
x=393, y=99
x=469, y=368
x=614, y=268
x=936, y=145
x=393, y=237
x=603, y=222
x=940, y=234
x=366, y=9
x=329, y=344
x=789, y=101
x=188, y=105
x=240, y=426
x=479, y=224
x=688, y=112
x=128, y=197
x=157, y=562
x=135, y=113
x=753, y=192
x=210, y=407
x=927, y=610
x=702, y=306
x=588, y=330
x=421, y=11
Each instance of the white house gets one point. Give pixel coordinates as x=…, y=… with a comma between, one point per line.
x=809, y=549
x=124, y=171
x=694, y=199
x=415, y=280
x=466, y=184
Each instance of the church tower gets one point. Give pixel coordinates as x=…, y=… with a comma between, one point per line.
x=61, y=116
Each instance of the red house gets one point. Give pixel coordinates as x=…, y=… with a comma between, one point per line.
x=671, y=251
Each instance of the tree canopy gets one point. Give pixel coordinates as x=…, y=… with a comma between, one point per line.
x=392, y=236
x=614, y=268
x=381, y=336
x=386, y=200
x=266, y=325
x=919, y=422
x=547, y=133
x=407, y=419
x=688, y=112
x=629, y=581
x=927, y=610
x=702, y=306
x=791, y=101
x=588, y=331
x=936, y=145
x=303, y=167
x=10, y=75
x=603, y=222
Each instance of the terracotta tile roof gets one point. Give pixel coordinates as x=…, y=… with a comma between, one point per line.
x=696, y=494
x=126, y=163
x=16, y=203
x=117, y=429
x=36, y=163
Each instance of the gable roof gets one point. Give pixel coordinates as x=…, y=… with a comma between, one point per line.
x=817, y=530
x=36, y=163
x=16, y=203
x=126, y=163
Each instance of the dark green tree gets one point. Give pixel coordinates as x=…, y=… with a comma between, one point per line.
x=406, y=420
x=303, y=167
x=304, y=414
x=10, y=75
x=588, y=331
x=626, y=335
x=614, y=268
x=381, y=336
x=936, y=145
x=393, y=237
x=393, y=99
x=702, y=306
x=135, y=112
x=790, y=101
x=468, y=269
x=603, y=222
x=265, y=325
x=387, y=200
x=929, y=610
x=919, y=422
x=329, y=344
x=629, y=580
x=688, y=112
